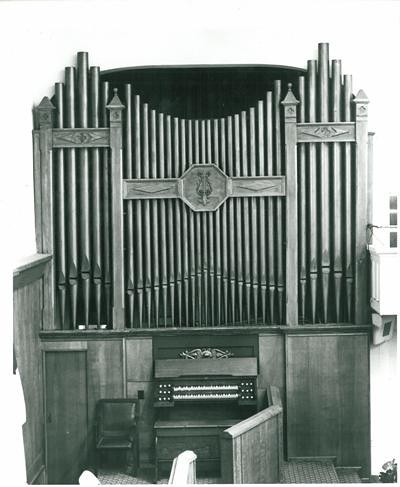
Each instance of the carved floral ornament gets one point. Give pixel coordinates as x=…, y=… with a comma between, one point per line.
x=325, y=132
x=79, y=137
x=205, y=352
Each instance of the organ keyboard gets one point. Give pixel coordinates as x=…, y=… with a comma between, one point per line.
x=205, y=380
x=241, y=390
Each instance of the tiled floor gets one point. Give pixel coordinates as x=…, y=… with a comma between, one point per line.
x=145, y=476
x=317, y=472
x=309, y=472
x=293, y=472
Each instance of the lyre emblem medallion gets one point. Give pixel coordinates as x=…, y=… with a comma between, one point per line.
x=203, y=188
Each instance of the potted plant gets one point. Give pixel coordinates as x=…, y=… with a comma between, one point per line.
x=389, y=472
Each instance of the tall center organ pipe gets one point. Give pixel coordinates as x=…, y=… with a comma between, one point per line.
x=83, y=157
x=163, y=228
x=348, y=169
x=105, y=192
x=253, y=219
x=279, y=208
x=96, y=217
x=337, y=187
x=138, y=214
x=302, y=207
x=154, y=220
x=262, y=221
x=72, y=220
x=323, y=85
x=312, y=191
x=146, y=218
x=130, y=261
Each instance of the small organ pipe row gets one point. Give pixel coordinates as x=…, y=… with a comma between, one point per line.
x=82, y=204
x=186, y=268
x=325, y=203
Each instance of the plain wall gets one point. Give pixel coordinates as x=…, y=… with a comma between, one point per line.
x=39, y=38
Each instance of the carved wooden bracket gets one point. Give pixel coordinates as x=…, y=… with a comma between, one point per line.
x=200, y=353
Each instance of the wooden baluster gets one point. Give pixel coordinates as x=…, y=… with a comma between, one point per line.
x=289, y=104
x=361, y=311
x=45, y=116
x=115, y=107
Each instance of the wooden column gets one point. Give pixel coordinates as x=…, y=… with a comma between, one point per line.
x=46, y=246
x=290, y=113
x=361, y=170
x=118, y=315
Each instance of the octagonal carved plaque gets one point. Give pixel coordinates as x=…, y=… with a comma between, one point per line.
x=204, y=187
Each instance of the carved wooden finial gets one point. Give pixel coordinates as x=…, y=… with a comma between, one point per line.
x=115, y=103
x=289, y=103
x=361, y=97
x=290, y=99
x=115, y=106
x=45, y=112
x=361, y=101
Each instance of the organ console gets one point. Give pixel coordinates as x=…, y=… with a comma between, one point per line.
x=196, y=397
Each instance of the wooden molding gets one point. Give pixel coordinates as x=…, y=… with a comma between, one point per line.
x=30, y=270
x=138, y=333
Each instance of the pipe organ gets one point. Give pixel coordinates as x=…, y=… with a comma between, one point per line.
x=254, y=216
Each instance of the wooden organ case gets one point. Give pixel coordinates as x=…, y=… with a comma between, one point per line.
x=211, y=201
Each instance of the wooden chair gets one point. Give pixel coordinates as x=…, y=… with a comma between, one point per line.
x=116, y=429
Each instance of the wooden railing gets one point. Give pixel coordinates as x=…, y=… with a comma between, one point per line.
x=252, y=450
x=183, y=471
x=28, y=291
